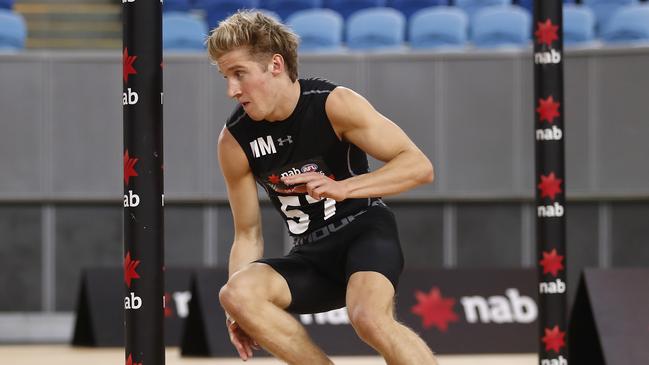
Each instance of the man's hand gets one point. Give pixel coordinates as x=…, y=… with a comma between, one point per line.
x=240, y=339
x=317, y=185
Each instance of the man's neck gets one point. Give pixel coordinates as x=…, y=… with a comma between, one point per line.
x=286, y=103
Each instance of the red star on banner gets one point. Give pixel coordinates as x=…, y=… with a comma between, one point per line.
x=552, y=262
x=548, y=109
x=550, y=186
x=129, y=269
x=434, y=309
x=546, y=32
x=127, y=65
x=129, y=167
x=554, y=339
x=129, y=361
x=274, y=179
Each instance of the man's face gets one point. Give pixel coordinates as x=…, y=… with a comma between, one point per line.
x=249, y=82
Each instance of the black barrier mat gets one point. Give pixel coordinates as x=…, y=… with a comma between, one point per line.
x=610, y=319
x=205, y=333
x=100, y=307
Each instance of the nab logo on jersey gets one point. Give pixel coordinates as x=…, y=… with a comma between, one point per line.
x=263, y=146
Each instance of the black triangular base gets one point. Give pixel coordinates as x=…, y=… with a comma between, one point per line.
x=610, y=319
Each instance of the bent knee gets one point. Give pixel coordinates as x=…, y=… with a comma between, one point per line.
x=250, y=286
x=239, y=292
x=370, y=324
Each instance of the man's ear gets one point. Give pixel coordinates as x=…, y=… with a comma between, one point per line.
x=276, y=65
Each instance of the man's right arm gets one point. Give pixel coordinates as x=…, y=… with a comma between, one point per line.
x=248, y=243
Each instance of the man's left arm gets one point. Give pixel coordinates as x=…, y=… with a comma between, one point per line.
x=355, y=120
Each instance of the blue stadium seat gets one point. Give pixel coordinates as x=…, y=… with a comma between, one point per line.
x=319, y=29
x=529, y=4
x=578, y=25
x=628, y=25
x=183, y=32
x=347, y=7
x=470, y=7
x=217, y=10
x=175, y=5
x=376, y=29
x=284, y=8
x=13, y=31
x=604, y=9
x=409, y=7
x=7, y=4
x=501, y=26
x=438, y=27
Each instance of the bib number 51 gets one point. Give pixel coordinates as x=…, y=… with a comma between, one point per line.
x=297, y=220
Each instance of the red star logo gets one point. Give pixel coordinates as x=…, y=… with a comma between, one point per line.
x=129, y=361
x=274, y=179
x=332, y=176
x=434, y=309
x=548, y=109
x=554, y=339
x=552, y=262
x=550, y=186
x=127, y=65
x=129, y=269
x=546, y=32
x=129, y=167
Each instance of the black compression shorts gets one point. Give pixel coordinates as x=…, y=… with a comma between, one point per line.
x=317, y=271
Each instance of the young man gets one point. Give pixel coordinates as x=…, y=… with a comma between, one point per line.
x=305, y=141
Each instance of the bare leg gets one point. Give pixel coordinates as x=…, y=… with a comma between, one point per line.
x=255, y=297
x=370, y=303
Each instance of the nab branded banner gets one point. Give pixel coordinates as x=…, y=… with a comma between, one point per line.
x=101, y=304
x=455, y=311
x=471, y=311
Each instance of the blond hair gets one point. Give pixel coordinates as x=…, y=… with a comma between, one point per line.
x=261, y=34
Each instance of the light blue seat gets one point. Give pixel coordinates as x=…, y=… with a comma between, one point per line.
x=348, y=7
x=501, y=26
x=7, y=4
x=175, y=5
x=13, y=31
x=529, y=4
x=217, y=10
x=578, y=25
x=604, y=9
x=284, y=8
x=438, y=27
x=319, y=29
x=409, y=7
x=376, y=29
x=183, y=32
x=629, y=25
x=470, y=7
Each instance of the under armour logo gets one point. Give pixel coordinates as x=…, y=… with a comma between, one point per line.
x=288, y=140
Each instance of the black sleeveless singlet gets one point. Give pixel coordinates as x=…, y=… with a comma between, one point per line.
x=303, y=142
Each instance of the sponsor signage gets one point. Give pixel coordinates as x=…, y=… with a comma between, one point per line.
x=550, y=189
x=143, y=304
x=101, y=304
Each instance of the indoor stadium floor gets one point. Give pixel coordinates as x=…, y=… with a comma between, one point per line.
x=66, y=355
